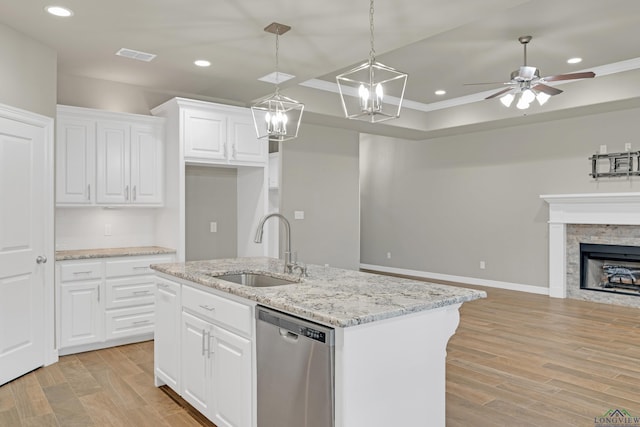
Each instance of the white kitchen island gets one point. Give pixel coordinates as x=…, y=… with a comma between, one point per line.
x=390, y=339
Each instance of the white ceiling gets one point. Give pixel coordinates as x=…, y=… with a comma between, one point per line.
x=442, y=44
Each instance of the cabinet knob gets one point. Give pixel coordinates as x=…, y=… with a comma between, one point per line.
x=41, y=259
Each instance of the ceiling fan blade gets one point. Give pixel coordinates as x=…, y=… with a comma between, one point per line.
x=527, y=73
x=502, y=92
x=547, y=89
x=488, y=83
x=570, y=76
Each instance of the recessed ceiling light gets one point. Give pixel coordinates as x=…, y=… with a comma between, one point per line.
x=440, y=92
x=59, y=11
x=574, y=60
x=202, y=63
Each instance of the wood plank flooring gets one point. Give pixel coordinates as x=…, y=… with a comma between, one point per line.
x=521, y=359
x=516, y=359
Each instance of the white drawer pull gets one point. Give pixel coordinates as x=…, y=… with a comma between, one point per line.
x=163, y=286
x=206, y=307
x=82, y=272
x=141, y=322
x=145, y=267
x=141, y=292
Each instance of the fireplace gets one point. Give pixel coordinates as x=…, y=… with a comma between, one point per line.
x=596, y=218
x=610, y=268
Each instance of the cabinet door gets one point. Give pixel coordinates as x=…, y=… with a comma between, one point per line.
x=196, y=360
x=113, y=163
x=245, y=145
x=81, y=313
x=167, y=334
x=75, y=161
x=146, y=165
x=231, y=381
x=205, y=135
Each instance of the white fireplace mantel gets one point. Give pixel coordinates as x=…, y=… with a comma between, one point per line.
x=590, y=208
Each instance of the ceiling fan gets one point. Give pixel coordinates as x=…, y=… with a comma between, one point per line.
x=527, y=84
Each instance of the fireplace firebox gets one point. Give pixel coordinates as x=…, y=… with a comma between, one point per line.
x=610, y=268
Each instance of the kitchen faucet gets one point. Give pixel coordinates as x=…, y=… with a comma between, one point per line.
x=289, y=265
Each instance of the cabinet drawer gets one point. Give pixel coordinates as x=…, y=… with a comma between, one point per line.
x=127, y=292
x=222, y=310
x=134, y=266
x=80, y=271
x=128, y=322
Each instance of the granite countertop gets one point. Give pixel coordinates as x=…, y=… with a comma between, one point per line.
x=111, y=252
x=328, y=295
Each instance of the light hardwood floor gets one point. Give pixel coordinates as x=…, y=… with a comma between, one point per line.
x=520, y=359
x=516, y=360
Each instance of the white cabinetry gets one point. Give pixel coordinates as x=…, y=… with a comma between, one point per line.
x=221, y=135
x=81, y=304
x=213, y=135
x=105, y=302
x=75, y=160
x=109, y=158
x=215, y=342
x=167, y=333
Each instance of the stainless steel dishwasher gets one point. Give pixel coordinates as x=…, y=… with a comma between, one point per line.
x=295, y=363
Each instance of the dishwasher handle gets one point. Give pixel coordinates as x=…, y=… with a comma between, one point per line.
x=288, y=336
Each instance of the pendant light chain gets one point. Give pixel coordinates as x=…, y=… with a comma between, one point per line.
x=372, y=53
x=277, y=62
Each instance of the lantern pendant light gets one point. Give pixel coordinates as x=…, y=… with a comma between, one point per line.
x=277, y=117
x=372, y=91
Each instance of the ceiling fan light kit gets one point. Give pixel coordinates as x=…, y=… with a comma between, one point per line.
x=372, y=91
x=526, y=85
x=277, y=117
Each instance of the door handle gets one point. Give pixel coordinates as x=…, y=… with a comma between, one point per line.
x=41, y=259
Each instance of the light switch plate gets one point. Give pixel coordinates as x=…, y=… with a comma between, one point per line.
x=213, y=227
x=298, y=214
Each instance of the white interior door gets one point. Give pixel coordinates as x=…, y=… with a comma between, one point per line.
x=22, y=241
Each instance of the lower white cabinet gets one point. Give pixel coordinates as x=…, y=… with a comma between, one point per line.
x=104, y=302
x=167, y=334
x=80, y=313
x=215, y=352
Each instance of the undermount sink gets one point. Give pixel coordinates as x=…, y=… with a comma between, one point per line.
x=255, y=280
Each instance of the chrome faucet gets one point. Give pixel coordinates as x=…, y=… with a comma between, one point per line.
x=288, y=264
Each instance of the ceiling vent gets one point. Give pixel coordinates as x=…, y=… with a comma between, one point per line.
x=136, y=54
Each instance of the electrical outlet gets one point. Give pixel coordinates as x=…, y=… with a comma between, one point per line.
x=388, y=255
x=213, y=227
x=627, y=146
x=483, y=265
x=603, y=149
x=298, y=214
x=107, y=230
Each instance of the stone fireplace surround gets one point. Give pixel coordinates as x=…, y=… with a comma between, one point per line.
x=600, y=218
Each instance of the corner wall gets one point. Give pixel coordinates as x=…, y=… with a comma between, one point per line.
x=443, y=205
x=28, y=72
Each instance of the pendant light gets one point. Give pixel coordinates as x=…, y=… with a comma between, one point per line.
x=277, y=117
x=372, y=91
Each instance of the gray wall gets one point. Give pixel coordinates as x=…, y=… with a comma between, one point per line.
x=27, y=72
x=443, y=205
x=211, y=195
x=320, y=177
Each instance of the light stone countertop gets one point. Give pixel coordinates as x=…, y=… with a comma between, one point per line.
x=328, y=295
x=111, y=252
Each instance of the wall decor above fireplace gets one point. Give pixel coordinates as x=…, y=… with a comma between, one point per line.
x=615, y=164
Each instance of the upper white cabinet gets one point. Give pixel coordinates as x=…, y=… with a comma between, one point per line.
x=109, y=158
x=75, y=160
x=218, y=134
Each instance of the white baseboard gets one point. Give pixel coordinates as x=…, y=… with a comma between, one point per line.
x=459, y=279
